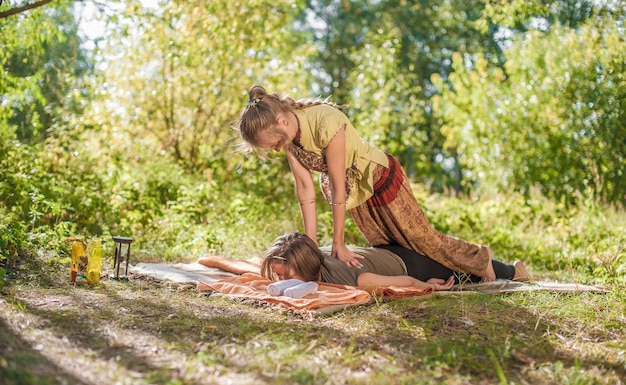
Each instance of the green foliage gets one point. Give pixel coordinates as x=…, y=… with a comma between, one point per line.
x=379, y=57
x=41, y=65
x=512, y=132
x=186, y=69
x=142, y=147
x=45, y=186
x=585, y=241
x=12, y=241
x=520, y=14
x=12, y=237
x=153, y=156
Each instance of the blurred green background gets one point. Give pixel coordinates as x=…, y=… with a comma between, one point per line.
x=116, y=119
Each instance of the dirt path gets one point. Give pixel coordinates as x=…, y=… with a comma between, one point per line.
x=117, y=333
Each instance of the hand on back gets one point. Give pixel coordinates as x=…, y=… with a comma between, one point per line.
x=346, y=256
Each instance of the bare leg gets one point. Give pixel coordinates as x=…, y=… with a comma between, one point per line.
x=521, y=274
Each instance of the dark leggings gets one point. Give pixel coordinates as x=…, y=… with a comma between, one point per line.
x=423, y=268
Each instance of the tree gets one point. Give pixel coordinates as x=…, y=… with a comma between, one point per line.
x=22, y=8
x=172, y=80
x=182, y=70
x=41, y=70
x=43, y=90
x=552, y=118
x=379, y=57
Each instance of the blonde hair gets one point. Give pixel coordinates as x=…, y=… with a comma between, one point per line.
x=296, y=251
x=261, y=113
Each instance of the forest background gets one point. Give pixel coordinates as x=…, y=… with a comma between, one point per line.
x=116, y=117
x=509, y=116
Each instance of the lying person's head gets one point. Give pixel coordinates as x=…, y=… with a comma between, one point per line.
x=293, y=255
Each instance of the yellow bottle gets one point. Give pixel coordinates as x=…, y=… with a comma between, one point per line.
x=78, y=256
x=94, y=264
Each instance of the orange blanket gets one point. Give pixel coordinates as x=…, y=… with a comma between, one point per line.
x=254, y=286
x=251, y=285
x=236, y=266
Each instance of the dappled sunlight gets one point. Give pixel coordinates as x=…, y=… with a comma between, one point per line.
x=144, y=329
x=117, y=117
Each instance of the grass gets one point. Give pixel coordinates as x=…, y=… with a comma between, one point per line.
x=149, y=332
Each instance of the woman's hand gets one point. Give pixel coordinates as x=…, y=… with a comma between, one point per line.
x=440, y=284
x=346, y=256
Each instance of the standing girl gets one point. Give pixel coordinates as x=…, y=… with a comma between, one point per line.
x=355, y=178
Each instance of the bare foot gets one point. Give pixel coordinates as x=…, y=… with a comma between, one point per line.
x=490, y=274
x=521, y=274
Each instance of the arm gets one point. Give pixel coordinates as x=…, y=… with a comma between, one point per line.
x=336, y=161
x=371, y=279
x=305, y=190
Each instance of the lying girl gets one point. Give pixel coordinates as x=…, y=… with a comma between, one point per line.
x=296, y=256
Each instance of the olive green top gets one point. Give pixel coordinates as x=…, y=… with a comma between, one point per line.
x=378, y=261
x=318, y=126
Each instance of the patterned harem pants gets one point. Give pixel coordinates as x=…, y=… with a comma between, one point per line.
x=394, y=216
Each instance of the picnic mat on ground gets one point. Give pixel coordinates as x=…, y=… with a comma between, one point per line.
x=241, y=279
x=181, y=272
x=254, y=286
x=503, y=286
